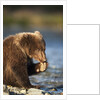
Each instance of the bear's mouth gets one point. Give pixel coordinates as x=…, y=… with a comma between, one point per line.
x=36, y=61
x=44, y=61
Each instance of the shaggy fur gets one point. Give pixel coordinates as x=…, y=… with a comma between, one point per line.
x=18, y=51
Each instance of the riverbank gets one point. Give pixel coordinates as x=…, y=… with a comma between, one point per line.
x=9, y=90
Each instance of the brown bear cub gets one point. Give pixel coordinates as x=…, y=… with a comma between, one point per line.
x=18, y=51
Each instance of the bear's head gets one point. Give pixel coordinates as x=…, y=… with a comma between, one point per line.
x=33, y=45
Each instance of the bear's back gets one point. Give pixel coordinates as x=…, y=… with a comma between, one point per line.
x=7, y=44
x=7, y=41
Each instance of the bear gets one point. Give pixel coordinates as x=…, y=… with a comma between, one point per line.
x=18, y=52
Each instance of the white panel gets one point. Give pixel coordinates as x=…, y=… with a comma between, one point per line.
x=83, y=11
x=83, y=97
x=83, y=59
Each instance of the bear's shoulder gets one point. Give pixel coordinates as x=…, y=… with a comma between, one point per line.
x=8, y=40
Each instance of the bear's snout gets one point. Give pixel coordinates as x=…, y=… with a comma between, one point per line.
x=43, y=57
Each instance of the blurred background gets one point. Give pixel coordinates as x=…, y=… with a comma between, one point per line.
x=48, y=19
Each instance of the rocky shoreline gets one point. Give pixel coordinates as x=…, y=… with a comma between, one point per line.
x=9, y=90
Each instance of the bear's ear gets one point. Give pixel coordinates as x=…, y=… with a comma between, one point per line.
x=37, y=33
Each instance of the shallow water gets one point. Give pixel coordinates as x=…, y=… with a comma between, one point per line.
x=53, y=76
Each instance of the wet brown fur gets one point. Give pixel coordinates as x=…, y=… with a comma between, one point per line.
x=18, y=51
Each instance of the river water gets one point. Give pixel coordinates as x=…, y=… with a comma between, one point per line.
x=52, y=78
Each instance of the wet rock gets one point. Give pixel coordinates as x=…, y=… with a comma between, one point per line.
x=23, y=91
x=5, y=93
x=33, y=91
x=46, y=93
x=54, y=89
x=61, y=93
x=5, y=88
x=13, y=90
x=9, y=90
x=43, y=93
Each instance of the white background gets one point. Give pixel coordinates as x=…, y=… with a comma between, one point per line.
x=83, y=11
x=80, y=83
x=83, y=59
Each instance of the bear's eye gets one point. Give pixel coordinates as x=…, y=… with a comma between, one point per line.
x=42, y=49
x=29, y=49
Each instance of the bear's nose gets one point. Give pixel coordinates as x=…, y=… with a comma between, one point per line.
x=45, y=61
x=43, y=57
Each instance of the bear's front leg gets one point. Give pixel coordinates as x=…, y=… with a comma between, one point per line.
x=22, y=78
